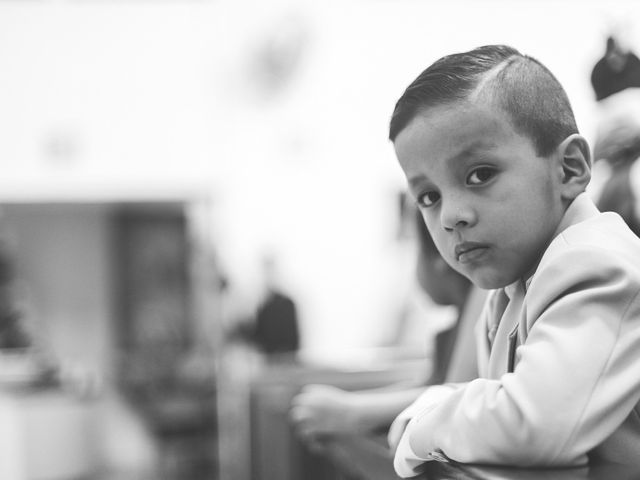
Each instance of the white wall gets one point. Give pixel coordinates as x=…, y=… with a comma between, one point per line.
x=101, y=98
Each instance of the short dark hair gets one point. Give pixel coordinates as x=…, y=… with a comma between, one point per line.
x=536, y=102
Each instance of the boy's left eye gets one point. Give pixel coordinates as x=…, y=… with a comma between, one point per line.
x=480, y=176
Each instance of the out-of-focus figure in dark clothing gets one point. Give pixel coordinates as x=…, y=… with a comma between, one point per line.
x=618, y=69
x=276, y=323
x=273, y=327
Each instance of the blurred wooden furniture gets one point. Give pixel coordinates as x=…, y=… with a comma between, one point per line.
x=278, y=454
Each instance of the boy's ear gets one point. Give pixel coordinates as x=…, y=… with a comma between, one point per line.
x=575, y=164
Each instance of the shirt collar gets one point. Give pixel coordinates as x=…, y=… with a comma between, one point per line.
x=582, y=208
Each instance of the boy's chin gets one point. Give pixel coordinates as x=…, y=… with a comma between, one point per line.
x=490, y=282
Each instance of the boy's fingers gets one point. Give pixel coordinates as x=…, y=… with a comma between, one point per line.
x=298, y=414
x=304, y=427
x=310, y=433
x=305, y=399
x=315, y=445
x=313, y=388
x=303, y=419
x=310, y=387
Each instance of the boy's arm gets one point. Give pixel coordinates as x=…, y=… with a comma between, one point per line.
x=427, y=398
x=573, y=385
x=324, y=410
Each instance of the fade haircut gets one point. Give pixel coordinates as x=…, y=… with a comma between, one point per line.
x=520, y=85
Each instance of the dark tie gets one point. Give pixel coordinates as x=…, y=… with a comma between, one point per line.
x=495, y=315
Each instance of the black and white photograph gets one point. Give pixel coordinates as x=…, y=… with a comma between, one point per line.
x=319, y=240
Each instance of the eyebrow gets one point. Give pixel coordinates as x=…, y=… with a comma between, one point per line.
x=415, y=181
x=468, y=151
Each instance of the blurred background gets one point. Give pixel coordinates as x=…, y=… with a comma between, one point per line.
x=169, y=164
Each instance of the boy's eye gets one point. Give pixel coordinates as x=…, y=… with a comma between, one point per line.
x=428, y=198
x=480, y=176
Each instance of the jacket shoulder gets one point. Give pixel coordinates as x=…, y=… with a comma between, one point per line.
x=595, y=258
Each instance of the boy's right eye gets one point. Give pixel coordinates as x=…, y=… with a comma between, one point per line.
x=427, y=199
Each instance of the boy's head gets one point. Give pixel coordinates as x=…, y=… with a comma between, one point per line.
x=489, y=145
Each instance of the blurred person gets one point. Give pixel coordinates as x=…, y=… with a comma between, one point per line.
x=320, y=411
x=619, y=68
x=273, y=328
x=276, y=329
x=615, y=79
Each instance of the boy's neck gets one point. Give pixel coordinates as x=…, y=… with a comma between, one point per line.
x=579, y=209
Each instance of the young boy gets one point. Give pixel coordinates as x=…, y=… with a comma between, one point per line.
x=490, y=148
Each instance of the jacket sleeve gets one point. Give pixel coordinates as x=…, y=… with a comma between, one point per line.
x=574, y=381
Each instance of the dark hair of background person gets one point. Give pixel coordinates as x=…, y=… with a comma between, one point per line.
x=524, y=88
x=618, y=69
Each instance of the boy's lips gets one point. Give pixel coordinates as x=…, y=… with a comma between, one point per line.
x=466, y=252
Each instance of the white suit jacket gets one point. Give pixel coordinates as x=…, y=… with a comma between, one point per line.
x=560, y=382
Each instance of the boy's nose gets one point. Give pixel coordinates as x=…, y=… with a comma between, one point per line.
x=456, y=216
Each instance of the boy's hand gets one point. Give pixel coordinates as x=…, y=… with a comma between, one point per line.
x=322, y=410
x=430, y=398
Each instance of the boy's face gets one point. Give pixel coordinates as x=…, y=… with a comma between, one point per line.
x=490, y=202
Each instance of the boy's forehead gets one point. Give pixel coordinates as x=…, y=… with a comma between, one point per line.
x=456, y=129
x=467, y=108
